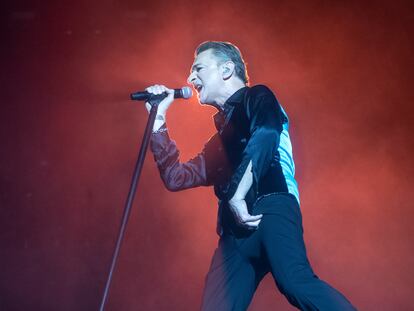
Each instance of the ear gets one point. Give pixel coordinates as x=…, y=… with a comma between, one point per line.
x=227, y=69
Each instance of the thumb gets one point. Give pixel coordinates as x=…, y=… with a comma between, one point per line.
x=170, y=92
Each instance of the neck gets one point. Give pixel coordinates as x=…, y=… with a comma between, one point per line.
x=229, y=89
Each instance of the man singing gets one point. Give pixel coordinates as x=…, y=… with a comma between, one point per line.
x=249, y=162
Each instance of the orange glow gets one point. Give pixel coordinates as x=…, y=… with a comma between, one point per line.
x=71, y=137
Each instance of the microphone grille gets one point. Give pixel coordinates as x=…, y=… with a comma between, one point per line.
x=187, y=92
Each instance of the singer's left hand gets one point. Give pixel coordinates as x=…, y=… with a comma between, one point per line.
x=242, y=216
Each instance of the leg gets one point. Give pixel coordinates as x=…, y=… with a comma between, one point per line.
x=232, y=278
x=282, y=237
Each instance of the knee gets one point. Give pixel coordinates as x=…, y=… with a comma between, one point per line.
x=288, y=288
x=294, y=288
x=294, y=293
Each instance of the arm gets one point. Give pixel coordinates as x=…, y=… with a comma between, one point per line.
x=238, y=205
x=175, y=175
x=265, y=118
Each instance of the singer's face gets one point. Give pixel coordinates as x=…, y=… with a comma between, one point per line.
x=206, y=78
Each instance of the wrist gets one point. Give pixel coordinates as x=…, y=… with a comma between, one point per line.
x=161, y=113
x=158, y=123
x=160, y=116
x=235, y=200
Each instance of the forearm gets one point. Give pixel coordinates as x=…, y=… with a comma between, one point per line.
x=244, y=185
x=237, y=203
x=160, y=120
x=176, y=175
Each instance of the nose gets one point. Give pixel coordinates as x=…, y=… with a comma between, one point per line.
x=191, y=77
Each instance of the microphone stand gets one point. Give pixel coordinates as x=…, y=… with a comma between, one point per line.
x=154, y=101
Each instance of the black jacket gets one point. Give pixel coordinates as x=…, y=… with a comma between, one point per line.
x=248, y=129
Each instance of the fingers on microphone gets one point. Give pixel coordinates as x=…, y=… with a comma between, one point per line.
x=157, y=89
x=161, y=89
x=166, y=89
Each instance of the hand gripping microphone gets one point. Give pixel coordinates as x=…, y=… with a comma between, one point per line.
x=185, y=92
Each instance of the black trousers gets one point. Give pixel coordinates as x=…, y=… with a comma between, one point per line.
x=241, y=261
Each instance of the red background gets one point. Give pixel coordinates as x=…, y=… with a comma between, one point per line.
x=70, y=136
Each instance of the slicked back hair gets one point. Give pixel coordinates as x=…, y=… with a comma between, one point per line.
x=226, y=51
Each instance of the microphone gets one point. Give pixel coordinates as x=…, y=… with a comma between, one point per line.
x=185, y=92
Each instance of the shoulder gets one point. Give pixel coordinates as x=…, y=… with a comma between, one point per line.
x=259, y=90
x=259, y=96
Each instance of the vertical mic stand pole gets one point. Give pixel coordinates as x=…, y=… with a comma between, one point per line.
x=154, y=101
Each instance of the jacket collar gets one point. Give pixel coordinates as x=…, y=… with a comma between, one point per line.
x=222, y=117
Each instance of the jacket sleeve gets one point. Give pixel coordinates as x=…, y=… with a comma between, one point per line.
x=264, y=114
x=175, y=175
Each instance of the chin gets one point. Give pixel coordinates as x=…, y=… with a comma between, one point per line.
x=201, y=100
x=205, y=101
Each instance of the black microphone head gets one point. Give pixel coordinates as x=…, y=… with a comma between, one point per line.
x=187, y=92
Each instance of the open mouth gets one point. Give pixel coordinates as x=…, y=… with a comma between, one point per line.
x=198, y=87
